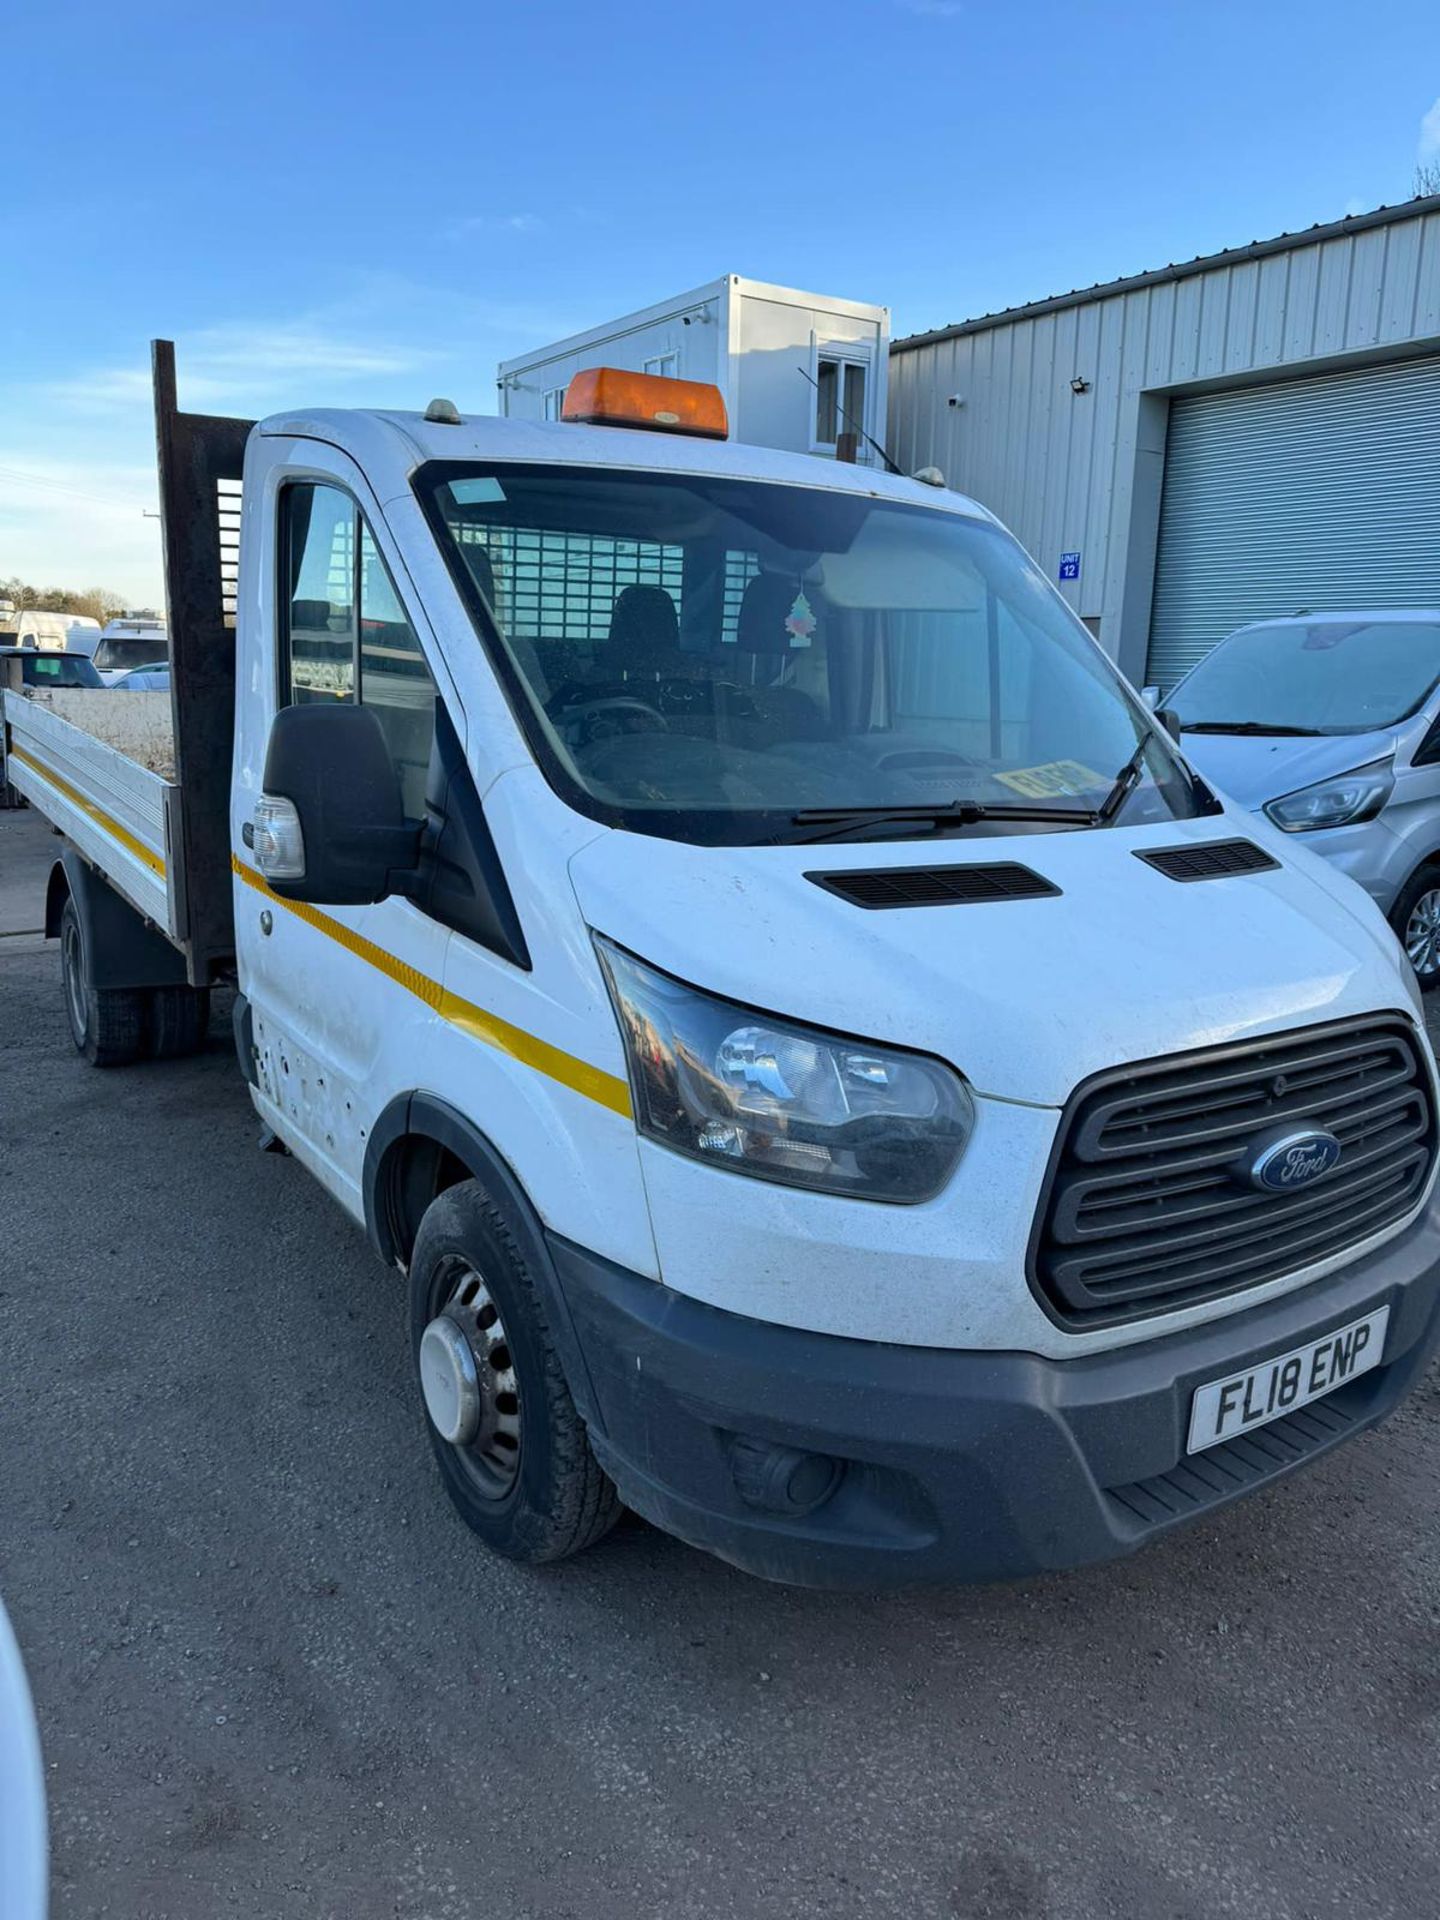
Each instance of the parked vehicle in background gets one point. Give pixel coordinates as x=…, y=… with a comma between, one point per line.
x=36, y=628
x=52, y=669
x=142, y=679
x=128, y=643
x=1329, y=724
x=831, y=1077
x=83, y=635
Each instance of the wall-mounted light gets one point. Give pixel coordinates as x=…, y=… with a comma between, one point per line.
x=1079, y=384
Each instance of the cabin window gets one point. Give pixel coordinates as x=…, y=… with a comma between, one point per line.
x=346, y=634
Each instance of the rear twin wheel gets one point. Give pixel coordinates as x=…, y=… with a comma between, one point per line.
x=113, y=1026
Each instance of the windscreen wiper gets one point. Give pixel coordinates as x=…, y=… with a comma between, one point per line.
x=1245, y=726
x=835, y=823
x=1126, y=782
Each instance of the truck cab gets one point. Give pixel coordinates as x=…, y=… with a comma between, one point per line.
x=828, y=1074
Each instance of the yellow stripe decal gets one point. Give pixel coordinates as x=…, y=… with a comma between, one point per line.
x=578, y=1075
x=102, y=820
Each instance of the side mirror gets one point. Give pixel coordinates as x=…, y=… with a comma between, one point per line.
x=1170, y=721
x=330, y=827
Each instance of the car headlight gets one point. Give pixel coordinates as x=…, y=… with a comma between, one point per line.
x=780, y=1101
x=1336, y=803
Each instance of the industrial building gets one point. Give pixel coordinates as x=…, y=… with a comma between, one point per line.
x=1246, y=434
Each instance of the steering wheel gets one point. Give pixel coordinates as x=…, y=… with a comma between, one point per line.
x=611, y=718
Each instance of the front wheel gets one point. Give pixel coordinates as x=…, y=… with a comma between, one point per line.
x=512, y=1449
x=1416, y=920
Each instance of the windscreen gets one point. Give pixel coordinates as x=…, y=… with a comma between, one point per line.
x=710, y=658
x=1325, y=676
x=128, y=652
x=59, y=670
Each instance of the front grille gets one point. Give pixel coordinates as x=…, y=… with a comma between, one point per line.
x=1210, y=860
x=936, y=886
x=1144, y=1210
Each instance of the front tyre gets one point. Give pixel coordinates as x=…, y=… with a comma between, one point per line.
x=1416, y=920
x=512, y=1450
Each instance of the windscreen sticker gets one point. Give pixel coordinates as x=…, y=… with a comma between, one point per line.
x=1056, y=777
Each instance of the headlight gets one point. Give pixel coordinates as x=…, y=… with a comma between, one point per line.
x=1336, y=803
x=784, y=1102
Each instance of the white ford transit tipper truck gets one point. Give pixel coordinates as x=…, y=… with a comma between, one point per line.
x=829, y=1074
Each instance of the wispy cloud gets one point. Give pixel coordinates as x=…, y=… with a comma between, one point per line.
x=77, y=454
x=246, y=364
x=470, y=224
x=1429, y=147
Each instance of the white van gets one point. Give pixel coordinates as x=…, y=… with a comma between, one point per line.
x=826, y=1073
x=82, y=634
x=129, y=643
x=36, y=628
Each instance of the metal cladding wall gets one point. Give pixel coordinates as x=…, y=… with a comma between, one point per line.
x=1082, y=472
x=1305, y=494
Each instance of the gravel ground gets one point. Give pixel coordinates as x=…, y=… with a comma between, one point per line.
x=276, y=1676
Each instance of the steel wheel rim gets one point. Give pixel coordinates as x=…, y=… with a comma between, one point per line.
x=491, y=1459
x=1422, y=932
x=72, y=966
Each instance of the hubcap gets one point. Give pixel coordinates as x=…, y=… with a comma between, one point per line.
x=450, y=1381
x=1422, y=933
x=467, y=1377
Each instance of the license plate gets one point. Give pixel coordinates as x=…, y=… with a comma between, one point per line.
x=1225, y=1408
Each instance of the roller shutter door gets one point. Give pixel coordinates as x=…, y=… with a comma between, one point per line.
x=1311, y=493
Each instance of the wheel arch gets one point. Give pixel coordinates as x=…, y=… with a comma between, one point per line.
x=1429, y=864
x=57, y=892
x=1422, y=877
x=122, y=949
x=419, y=1146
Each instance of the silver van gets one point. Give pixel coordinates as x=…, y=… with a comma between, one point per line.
x=1329, y=723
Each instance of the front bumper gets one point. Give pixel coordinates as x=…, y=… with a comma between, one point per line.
x=956, y=1466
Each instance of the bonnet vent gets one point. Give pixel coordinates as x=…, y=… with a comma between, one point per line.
x=936, y=886
x=1212, y=861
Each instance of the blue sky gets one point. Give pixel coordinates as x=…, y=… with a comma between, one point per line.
x=373, y=203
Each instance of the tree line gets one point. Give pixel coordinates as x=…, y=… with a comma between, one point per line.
x=98, y=602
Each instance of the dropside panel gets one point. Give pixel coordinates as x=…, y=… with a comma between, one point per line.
x=115, y=811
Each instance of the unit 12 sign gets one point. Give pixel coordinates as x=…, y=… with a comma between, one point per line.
x=1069, y=566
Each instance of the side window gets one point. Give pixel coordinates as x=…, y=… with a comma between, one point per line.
x=394, y=679
x=318, y=652
x=839, y=396
x=346, y=635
